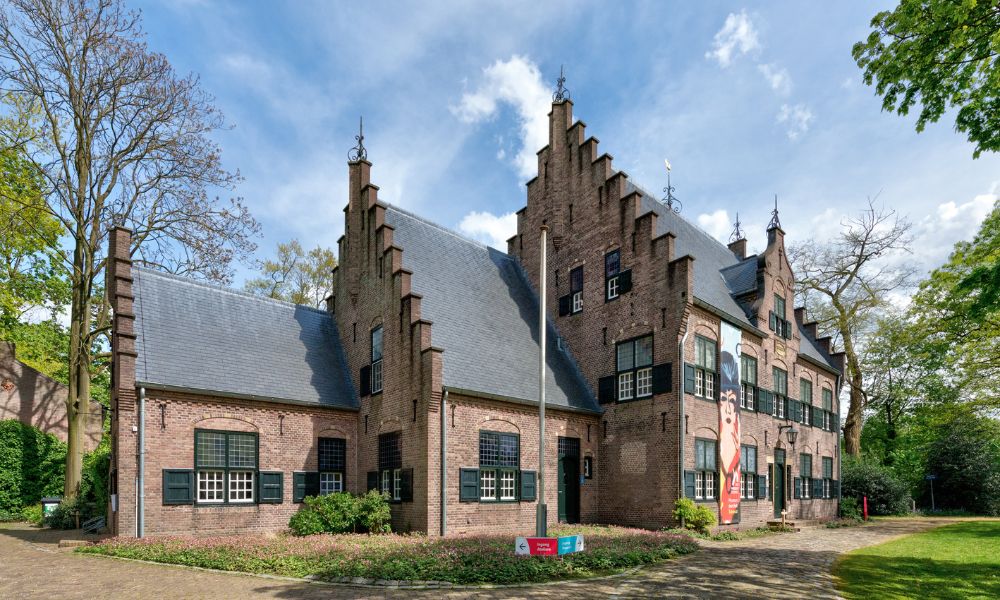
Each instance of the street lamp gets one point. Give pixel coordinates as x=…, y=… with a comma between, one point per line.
x=792, y=433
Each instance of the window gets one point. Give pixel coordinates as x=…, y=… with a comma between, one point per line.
x=576, y=289
x=634, y=366
x=827, y=477
x=390, y=463
x=332, y=458
x=805, y=472
x=397, y=488
x=779, y=324
x=588, y=467
x=499, y=460
x=748, y=472
x=226, y=463
x=827, y=409
x=376, y=385
x=704, y=367
x=612, y=269
x=705, y=474
x=806, y=397
x=780, y=391
x=748, y=382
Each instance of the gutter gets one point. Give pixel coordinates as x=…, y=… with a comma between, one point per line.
x=140, y=489
x=237, y=396
x=444, y=464
x=521, y=401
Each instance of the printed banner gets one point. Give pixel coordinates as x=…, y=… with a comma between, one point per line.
x=729, y=424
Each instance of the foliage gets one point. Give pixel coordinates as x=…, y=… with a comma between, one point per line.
x=94, y=490
x=694, y=516
x=9, y=516
x=33, y=514
x=472, y=559
x=965, y=457
x=31, y=465
x=940, y=53
x=64, y=516
x=296, y=276
x=841, y=523
x=342, y=513
x=955, y=561
x=850, y=508
x=887, y=495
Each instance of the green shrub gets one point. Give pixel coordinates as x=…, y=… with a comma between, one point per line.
x=10, y=516
x=850, y=508
x=94, y=492
x=887, y=494
x=33, y=514
x=374, y=515
x=342, y=513
x=698, y=518
x=32, y=465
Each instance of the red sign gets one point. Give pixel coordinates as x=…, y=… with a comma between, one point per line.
x=536, y=546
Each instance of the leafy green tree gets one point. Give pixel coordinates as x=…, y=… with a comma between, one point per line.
x=295, y=275
x=942, y=54
x=965, y=457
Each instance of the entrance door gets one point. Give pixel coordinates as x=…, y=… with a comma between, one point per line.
x=569, y=480
x=778, y=477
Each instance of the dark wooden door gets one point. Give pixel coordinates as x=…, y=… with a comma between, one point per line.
x=569, y=480
x=778, y=477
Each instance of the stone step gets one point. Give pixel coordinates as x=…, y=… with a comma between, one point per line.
x=796, y=524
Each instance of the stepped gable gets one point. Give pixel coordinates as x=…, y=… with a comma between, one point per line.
x=485, y=317
x=193, y=336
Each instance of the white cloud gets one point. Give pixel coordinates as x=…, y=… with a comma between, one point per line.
x=935, y=235
x=518, y=83
x=797, y=118
x=716, y=224
x=737, y=36
x=777, y=77
x=489, y=228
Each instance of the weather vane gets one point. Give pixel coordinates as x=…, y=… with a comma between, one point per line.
x=562, y=92
x=775, y=223
x=737, y=234
x=672, y=203
x=358, y=152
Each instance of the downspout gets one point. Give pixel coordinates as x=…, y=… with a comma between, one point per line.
x=840, y=459
x=444, y=465
x=140, y=490
x=680, y=418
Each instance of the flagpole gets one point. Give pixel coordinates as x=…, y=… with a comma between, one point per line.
x=540, y=514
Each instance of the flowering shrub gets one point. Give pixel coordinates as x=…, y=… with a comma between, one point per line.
x=460, y=559
x=342, y=513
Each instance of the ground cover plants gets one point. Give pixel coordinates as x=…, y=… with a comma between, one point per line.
x=473, y=559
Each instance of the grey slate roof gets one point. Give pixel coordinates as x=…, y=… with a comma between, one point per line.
x=197, y=336
x=485, y=316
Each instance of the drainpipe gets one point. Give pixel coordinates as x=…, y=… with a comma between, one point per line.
x=680, y=419
x=140, y=490
x=444, y=465
x=839, y=457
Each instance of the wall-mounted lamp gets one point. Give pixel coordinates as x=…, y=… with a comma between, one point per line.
x=791, y=435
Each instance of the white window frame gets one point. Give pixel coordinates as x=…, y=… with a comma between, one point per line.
x=214, y=493
x=577, y=302
x=612, y=288
x=386, y=487
x=644, y=382
x=376, y=355
x=331, y=482
x=397, y=480
x=241, y=487
x=704, y=488
x=625, y=386
x=611, y=282
x=487, y=484
x=508, y=485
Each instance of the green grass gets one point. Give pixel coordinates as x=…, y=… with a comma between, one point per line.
x=729, y=536
x=473, y=559
x=955, y=561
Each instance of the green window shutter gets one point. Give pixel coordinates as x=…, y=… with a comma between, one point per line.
x=625, y=281
x=663, y=376
x=606, y=389
x=372, y=482
x=718, y=386
x=761, y=487
x=528, y=485
x=772, y=320
x=406, y=485
x=835, y=488
x=788, y=330
x=689, y=484
x=178, y=486
x=689, y=379
x=272, y=487
x=468, y=482
x=797, y=483
x=817, y=488
x=298, y=486
x=765, y=402
x=836, y=421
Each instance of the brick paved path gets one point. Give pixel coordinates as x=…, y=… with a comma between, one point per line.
x=786, y=566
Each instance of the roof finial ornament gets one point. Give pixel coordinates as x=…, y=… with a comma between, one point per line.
x=562, y=92
x=775, y=223
x=672, y=203
x=358, y=152
x=737, y=234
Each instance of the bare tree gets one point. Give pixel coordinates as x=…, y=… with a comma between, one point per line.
x=846, y=281
x=124, y=140
x=296, y=275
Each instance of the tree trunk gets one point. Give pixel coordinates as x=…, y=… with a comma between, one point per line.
x=852, y=425
x=78, y=399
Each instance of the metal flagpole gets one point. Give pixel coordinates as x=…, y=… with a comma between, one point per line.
x=540, y=513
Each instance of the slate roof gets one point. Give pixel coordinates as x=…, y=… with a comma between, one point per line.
x=485, y=316
x=202, y=337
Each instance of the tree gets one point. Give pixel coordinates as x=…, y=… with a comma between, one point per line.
x=941, y=53
x=124, y=140
x=296, y=276
x=965, y=457
x=845, y=282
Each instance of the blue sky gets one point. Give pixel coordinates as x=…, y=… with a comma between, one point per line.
x=746, y=100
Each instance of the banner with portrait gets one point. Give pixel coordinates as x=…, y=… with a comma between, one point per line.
x=729, y=424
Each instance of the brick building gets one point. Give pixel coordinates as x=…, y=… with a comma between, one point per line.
x=673, y=367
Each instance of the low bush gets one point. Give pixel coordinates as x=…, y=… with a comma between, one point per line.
x=693, y=516
x=887, y=495
x=10, y=516
x=32, y=465
x=64, y=516
x=850, y=508
x=342, y=513
x=33, y=514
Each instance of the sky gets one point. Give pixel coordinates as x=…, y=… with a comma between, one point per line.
x=746, y=100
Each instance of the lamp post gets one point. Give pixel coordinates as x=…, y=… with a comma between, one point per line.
x=540, y=516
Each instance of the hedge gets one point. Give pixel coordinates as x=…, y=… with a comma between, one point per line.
x=32, y=465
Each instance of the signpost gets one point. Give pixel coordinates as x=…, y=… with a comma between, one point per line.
x=547, y=546
x=931, y=479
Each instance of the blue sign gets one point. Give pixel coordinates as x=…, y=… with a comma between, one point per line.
x=570, y=543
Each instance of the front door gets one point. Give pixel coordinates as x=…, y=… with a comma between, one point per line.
x=569, y=480
x=778, y=477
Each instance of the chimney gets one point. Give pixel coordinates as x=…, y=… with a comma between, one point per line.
x=119, y=289
x=739, y=248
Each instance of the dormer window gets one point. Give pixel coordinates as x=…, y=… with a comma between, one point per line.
x=777, y=321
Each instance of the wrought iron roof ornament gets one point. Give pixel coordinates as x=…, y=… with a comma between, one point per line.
x=775, y=223
x=672, y=202
x=562, y=92
x=358, y=152
x=737, y=234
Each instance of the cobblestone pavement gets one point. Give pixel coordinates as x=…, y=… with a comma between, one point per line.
x=786, y=566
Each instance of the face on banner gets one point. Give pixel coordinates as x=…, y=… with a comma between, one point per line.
x=729, y=424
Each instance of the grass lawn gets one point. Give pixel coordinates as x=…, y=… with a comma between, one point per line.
x=479, y=559
x=955, y=561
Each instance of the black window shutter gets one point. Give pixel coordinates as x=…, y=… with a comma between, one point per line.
x=272, y=487
x=298, y=486
x=835, y=488
x=817, y=488
x=689, y=484
x=468, y=482
x=761, y=487
x=663, y=376
x=689, y=379
x=788, y=330
x=312, y=483
x=606, y=389
x=797, y=483
x=365, y=381
x=528, y=486
x=772, y=320
x=836, y=421
x=625, y=281
x=564, y=305
x=406, y=485
x=178, y=486
x=718, y=390
x=372, y=483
